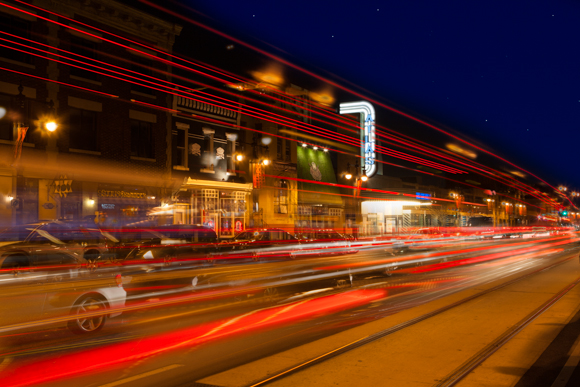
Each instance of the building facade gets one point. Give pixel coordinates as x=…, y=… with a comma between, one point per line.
x=108, y=156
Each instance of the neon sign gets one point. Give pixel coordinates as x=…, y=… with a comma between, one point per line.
x=367, y=134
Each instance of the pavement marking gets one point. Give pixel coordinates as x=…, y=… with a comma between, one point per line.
x=568, y=369
x=141, y=376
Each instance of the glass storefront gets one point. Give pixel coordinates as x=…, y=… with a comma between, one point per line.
x=223, y=209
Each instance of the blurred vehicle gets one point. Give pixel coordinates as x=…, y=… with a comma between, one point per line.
x=266, y=243
x=185, y=239
x=317, y=242
x=51, y=283
x=480, y=221
x=158, y=259
x=274, y=243
x=89, y=243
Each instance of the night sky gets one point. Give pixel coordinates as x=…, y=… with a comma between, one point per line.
x=502, y=74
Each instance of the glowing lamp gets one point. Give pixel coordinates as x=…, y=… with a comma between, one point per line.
x=239, y=157
x=265, y=161
x=348, y=176
x=364, y=177
x=51, y=126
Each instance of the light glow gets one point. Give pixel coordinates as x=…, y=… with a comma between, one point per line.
x=51, y=126
x=367, y=124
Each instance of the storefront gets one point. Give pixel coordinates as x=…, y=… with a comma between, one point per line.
x=220, y=205
x=124, y=205
x=393, y=216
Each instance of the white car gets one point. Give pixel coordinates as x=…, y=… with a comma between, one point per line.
x=45, y=285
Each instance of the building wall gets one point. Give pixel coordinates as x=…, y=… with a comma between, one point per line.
x=51, y=159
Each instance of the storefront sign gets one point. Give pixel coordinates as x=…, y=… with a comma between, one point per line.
x=121, y=194
x=423, y=196
x=258, y=176
x=62, y=186
x=367, y=135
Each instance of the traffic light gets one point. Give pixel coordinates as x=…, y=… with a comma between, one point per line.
x=564, y=213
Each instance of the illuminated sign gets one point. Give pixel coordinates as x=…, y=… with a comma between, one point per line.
x=423, y=196
x=367, y=135
x=121, y=194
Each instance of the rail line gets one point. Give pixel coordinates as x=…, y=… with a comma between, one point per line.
x=454, y=377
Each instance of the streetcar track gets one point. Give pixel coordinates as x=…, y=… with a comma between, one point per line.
x=460, y=372
x=386, y=332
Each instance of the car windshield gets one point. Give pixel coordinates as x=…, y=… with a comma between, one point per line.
x=17, y=233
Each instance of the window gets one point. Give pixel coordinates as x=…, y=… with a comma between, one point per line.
x=142, y=66
x=88, y=50
x=7, y=129
x=6, y=124
x=142, y=139
x=281, y=197
x=288, y=151
x=15, y=26
x=257, y=142
x=83, y=132
x=180, y=146
x=279, y=148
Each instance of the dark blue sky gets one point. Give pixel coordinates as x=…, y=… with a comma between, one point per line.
x=502, y=73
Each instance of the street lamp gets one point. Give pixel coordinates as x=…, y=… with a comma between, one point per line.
x=50, y=124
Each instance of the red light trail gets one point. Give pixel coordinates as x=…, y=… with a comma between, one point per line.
x=296, y=124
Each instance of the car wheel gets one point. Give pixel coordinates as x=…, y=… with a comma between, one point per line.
x=270, y=294
x=342, y=283
x=92, y=255
x=88, y=324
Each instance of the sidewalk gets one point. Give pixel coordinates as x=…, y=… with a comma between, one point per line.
x=421, y=355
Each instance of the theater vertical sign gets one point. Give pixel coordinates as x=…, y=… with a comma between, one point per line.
x=367, y=134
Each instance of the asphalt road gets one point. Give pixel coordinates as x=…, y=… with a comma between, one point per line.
x=261, y=309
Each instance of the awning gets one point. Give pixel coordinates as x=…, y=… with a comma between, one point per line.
x=193, y=183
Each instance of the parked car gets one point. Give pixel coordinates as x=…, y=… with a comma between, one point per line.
x=90, y=243
x=43, y=282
